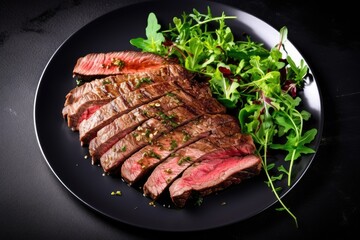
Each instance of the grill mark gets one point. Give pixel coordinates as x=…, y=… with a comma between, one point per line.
x=132, y=170
x=138, y=165
x=112, y=158
x=130, y=86
x=114, y=131
x=125, y=101
x=101, y=118
x=166, y=73
x=171, y=168
x=76, y=100
x=167, y=171
x=96, y=145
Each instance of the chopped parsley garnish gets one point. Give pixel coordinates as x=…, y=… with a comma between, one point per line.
x=139, y=82
x=184, y=159
x=173, y=144
x=152, y=154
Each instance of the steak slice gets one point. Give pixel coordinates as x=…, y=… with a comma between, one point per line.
x=113, y=63
x=110, y=88
x=119, y=106
x=81, y=108
x=145, y=134
x=167, y=171
x=143, y=161
x=165, y=72
x=114, y=131
x=213, y=174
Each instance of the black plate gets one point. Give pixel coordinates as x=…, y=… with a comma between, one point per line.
x=64, y=155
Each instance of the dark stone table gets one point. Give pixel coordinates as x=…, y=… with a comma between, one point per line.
x=34, y=205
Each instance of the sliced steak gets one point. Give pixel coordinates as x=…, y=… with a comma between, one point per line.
x=119, y=106
x=83, y=107
x=146, y=118
x=113, y=63
x=165, y=72
x=110, y=88
x=213, y=174
x=167, y=171
x=106, y=114
x=114, y=131
x=143, y=161
x=145, y=134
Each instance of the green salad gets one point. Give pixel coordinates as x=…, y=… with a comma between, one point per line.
x=259, y=85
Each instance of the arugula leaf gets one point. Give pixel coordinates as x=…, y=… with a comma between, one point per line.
x=154, y=40
x=284, y=122
x=297, y=73
x=296, y=147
